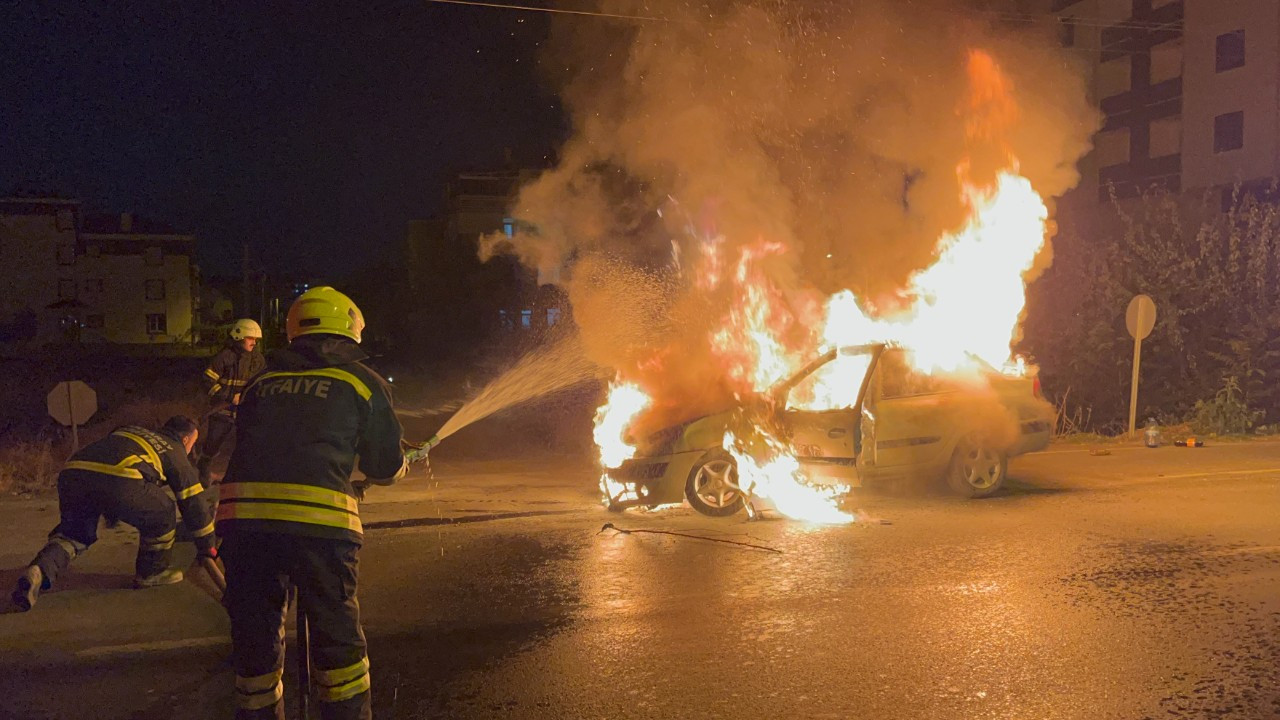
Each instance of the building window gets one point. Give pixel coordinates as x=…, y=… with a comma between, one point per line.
x=1067, y=31
x=66, y=289
x=526, y=319
x=94, y=322
x=155, y=289
x=508, y=227
x=1113, y=147
x=1166, y=137
x=1114, y=77
x=157, y=324
x=1228, y=132
x=1230, y=51
x=93, y=286
x=66, y=254
x=1166, y=62
x=154, y=256
x=66, y=221
x=553, y=316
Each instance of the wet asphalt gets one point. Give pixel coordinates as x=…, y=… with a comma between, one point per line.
x=1092, y=588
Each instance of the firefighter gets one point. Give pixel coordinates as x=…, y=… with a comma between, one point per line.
x=122, y=477
x=287, y=511
x=227, y=376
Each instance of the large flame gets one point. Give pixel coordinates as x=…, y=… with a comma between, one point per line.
x=952, y=316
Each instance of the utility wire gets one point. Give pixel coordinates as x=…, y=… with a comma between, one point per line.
x=557, y=11
x=615, y=528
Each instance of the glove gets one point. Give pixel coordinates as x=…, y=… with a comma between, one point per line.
x=359, y=487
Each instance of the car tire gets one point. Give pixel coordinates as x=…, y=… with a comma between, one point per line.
x=712, y=486
x=976, y=470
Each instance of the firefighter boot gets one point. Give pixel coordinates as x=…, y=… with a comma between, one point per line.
x=29, y=586
x=164, y=577
x=151, y=569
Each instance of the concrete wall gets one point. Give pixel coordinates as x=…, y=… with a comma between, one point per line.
x=1252, y=89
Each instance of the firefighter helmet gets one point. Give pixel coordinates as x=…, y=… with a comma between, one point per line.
x=245, y=328
x=324, y=310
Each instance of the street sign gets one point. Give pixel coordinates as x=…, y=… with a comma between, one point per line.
x=1140, y=320
x=73, y=403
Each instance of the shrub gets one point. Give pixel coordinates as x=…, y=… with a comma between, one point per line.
x=28, y=466
x=1227, y=413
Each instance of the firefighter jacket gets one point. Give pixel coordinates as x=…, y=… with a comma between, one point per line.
x=300, y=426
x=155, y=457
x=229, y=373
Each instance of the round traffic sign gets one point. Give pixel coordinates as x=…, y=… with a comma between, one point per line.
x=1140, y=318
x=72, y=402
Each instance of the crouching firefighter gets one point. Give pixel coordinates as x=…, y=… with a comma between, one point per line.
x=123, y=477
x=227, y=376
x=287, y=511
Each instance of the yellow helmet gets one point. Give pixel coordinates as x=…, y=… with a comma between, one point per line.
x=324, y=310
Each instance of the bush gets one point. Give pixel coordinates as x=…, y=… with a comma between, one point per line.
x=1227, y=413
x=28, y=467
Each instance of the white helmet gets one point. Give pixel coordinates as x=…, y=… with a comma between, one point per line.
x=245, y=328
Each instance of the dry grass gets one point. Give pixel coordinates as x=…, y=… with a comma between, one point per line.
x=28, y=466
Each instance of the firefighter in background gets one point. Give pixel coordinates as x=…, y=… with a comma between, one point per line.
x=227, y=376
x=122, y=477
x=287, y=510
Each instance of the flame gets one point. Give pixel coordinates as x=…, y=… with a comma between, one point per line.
x=625, y=401
x=780, y=481
x=959, y=315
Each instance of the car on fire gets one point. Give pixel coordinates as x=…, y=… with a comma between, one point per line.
x=899, y=423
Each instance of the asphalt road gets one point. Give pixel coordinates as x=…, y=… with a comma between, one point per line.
x=1143, y=584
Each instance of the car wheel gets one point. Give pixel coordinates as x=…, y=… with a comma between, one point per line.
x=976, y=471
x=712, y=488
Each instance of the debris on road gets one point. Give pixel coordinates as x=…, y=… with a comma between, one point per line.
x=615, y=528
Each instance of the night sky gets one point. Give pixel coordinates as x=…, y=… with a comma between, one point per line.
x=311, y=130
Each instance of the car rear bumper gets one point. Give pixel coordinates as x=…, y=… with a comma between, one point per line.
x=1034, y=437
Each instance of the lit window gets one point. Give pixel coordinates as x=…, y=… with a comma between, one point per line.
x=1166, y=137
x=155, y=289
x=1067, y=31
x=1113, y=147
x=1114, y=77
x=157, y=324
x=508, y=227
x=553, y=316
x=1228, y=132
x=526, y=319
x=1230, y=51
x=1166, y=62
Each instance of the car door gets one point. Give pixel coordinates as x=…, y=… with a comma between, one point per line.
x=905, y=416
x=827, y=439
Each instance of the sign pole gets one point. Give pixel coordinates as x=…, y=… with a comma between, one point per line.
x=1133, y=392
x=75, y=431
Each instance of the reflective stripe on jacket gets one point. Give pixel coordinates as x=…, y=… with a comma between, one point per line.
x=147, y=456
x=299, y=428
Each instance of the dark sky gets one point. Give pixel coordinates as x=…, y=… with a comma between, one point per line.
x=312, y=130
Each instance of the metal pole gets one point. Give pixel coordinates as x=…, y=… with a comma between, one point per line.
x=71, y=414
x=1137, y=361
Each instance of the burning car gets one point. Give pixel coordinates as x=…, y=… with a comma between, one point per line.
x=900, y=423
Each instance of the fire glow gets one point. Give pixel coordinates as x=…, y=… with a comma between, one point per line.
x=959, y=312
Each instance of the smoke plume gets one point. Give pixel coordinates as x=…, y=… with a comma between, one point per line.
x=831, y=130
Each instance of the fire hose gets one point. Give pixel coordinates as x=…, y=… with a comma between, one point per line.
x=413, y=453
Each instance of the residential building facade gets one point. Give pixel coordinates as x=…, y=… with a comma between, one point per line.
x=97, y=279
x=1190, y=90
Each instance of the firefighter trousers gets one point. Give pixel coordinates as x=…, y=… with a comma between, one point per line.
x=260, y=568
x=220, y=427
x=84, y=497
